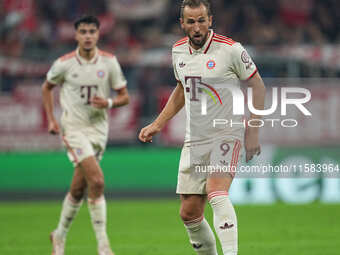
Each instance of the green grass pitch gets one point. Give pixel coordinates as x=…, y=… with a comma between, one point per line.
x=152, y=227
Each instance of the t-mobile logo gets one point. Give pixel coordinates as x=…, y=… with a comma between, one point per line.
x=87, y=91
x=196, y=86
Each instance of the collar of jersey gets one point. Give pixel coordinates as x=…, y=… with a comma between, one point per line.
x=82, y=60
x=205, y=47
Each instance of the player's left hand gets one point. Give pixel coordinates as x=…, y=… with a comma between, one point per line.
x=99, y=102
x=252, y=143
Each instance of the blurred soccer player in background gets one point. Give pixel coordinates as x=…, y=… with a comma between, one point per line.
x=200, y=56
x=85, y=77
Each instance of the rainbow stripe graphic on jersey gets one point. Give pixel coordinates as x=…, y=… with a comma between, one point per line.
x=208, y=92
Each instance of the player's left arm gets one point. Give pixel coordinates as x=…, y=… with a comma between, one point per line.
x=122, y=98
x=246, y=70
x=119, y=84
x=252, y=144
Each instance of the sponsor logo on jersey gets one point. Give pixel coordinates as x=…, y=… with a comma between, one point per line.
x=198, y=86
x=205, y=90
x=211, y=64
x=100, y=74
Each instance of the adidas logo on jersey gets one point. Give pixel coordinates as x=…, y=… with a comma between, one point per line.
x=181, y=65
x=223, y=162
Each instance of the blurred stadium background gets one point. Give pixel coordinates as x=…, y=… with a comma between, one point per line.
x=293, y=44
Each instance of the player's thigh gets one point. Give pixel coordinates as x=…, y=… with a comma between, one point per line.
x=191, y=181
x=90, y=165
x=224, y=159
x=192, y=206
x=79, y=147
x=91, y=170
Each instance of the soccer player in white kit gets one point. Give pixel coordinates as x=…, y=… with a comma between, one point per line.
x=86, y=77
x=202, y=60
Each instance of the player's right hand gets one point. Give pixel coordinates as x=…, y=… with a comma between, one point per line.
x=146, y=134
x=53, y=128
x=252, y=144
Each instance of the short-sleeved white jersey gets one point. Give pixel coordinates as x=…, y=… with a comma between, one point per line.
x=206, y=75
x=81, y=80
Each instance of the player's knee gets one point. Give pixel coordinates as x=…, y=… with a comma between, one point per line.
x=97, y=184
x=217, y=188
x=189, y=214
x=78, y=193
x=210, y=190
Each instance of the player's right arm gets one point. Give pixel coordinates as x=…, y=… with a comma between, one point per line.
x=47, y=96
x=54, y=76
x=172, y=107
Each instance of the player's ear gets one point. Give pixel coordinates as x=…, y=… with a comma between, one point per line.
x=76, y=36
x=181, y=21
x=210, y=20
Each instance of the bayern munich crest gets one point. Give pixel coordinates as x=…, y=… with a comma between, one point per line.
x=211, y=64
x=100, y=74
x=79, y=151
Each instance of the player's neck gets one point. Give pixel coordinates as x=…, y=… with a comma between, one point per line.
x=87, y=54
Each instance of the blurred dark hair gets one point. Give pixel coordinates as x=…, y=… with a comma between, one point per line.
x=195, y=3
x=87, y=19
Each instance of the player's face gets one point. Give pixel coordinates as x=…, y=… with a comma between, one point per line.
x=196, y=23
x=87, y=36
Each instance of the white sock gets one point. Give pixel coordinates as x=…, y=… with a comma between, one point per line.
x=201, y=236
x=68, y=212
x=225, y=221
x=97, y=209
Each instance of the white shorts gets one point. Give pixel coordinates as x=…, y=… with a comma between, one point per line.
x=200, y=162
x=80, y=146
